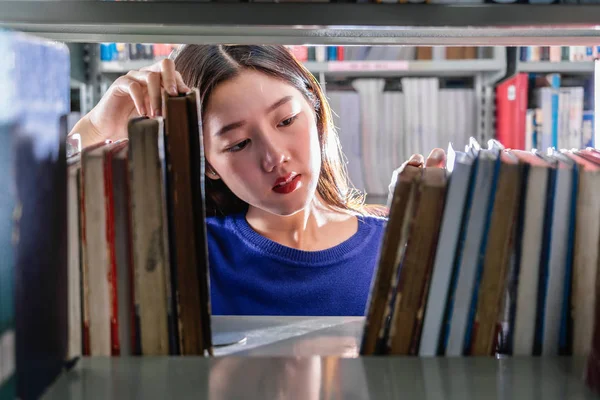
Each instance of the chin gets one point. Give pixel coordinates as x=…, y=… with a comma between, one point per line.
x=288, y=207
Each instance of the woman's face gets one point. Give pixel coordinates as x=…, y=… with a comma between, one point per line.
x=260, y=137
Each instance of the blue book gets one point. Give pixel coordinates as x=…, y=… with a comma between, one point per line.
x=554, y=81
x=34, y=102
x=587, y=129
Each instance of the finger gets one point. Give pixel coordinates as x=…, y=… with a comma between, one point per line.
x=416, y=160
x=437, y=158
x=168, y=74
x=154, y=93
x=181, y=86
x=136, y=91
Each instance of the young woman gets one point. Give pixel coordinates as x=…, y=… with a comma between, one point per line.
x=287, y=235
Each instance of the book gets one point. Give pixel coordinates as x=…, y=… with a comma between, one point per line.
x=187, y=235
x=587, y=259
x=415, y=272
x=384, y=282
x=34, y=325
x=536, y=175
x=497, y=256
x=149, y=235
x=477, y=225
x=461, y=166
x=511, y=111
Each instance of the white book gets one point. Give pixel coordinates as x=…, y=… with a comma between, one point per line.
x=458, y=186
x=529, y=129
x=431, y=115
x=370, y=91
x=545, y=103
x=576, y=118
x=409, y=101
x=476, y=225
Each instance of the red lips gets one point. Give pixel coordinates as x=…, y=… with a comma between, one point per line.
x=287, y=183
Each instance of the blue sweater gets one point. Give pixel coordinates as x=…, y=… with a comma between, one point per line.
x=253, y=275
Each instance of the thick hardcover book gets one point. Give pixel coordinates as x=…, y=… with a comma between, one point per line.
x=529, y=250
x=418, y=260
x=118, y=233
x=199, y=200
x=497, y=256
x=149, y=238
x=33, y=216
x=183, y=182
x=586, y=255
x=390, y=256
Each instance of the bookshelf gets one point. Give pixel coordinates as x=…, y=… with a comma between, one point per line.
x=572, y=67
x=368, y=24
x=294, y=23
x=316, y=352
x=445, y=68
x=324, y=378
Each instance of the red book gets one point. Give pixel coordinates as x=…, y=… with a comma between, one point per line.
x=511, y=111
x=340, y=53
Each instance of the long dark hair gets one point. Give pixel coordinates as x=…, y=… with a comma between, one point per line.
x=206, y=66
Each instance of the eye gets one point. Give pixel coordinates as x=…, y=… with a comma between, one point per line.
x=288, y=121
x=238, y=147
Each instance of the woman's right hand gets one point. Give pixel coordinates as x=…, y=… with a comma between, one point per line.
x=133, y=95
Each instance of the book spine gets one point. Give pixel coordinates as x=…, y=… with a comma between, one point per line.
x=112, y=259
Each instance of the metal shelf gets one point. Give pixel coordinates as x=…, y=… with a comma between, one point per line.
x=360, y=68
x=294, y=23
x=405, y=68
x=572, y=67
x=122, y=67
x=297, y=377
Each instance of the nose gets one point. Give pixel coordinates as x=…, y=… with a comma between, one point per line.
x=274, y=154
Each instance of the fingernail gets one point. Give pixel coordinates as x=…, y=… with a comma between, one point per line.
x=437, y=154
x=173, y=90
x=416, y=158
x=157, y=112
x=143, y=111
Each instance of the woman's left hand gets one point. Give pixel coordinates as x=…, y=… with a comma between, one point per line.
x=437, y=158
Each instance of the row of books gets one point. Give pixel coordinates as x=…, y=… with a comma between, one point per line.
x=497, y=254
x=380, y=129
x=134, y=51
x=558, y=53
x=538, y=111
x=138, y=267
x=385, y=53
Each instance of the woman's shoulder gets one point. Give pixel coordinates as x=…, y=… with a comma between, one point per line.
x=226, y=222
x=375, y=221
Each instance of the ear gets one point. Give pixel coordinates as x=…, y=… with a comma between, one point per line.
x=211, y=173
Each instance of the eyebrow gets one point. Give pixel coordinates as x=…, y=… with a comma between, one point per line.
x=239, y=124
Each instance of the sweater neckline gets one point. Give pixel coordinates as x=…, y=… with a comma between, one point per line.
x=343, y=250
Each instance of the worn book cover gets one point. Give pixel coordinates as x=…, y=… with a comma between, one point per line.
x=416, y=266
x=392, y=250
x=497, y=256
x=187, y=236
